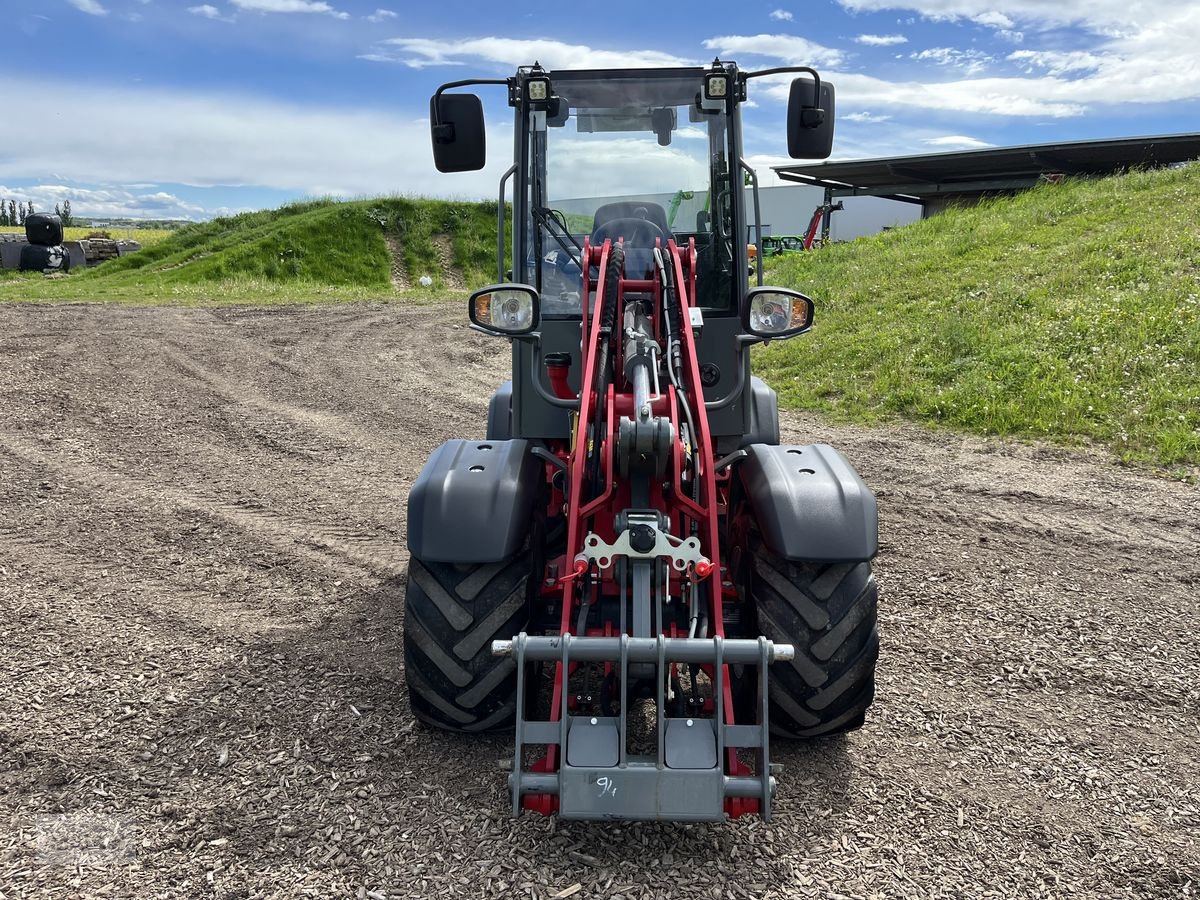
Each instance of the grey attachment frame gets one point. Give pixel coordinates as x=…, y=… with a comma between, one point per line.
x=598, y=779
x=682, y=552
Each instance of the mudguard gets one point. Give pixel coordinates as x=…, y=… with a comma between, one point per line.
x=764, y=414
x=810, y=504
x=499, y=423
x=473, y=501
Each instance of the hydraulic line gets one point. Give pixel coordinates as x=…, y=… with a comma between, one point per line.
x=674, y=356
x=608, y=315
x=698, y=613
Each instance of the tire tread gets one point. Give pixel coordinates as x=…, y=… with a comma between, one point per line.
x=451, y=616
x=828, y=613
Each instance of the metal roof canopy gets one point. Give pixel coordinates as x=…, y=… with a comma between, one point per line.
x=921, y=179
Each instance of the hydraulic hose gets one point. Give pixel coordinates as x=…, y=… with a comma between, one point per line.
x=674, y=355
x=608, y=314
x=608, y=317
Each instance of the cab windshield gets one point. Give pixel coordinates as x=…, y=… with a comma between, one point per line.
x=643, y=158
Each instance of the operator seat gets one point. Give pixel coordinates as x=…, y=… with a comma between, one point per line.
x=639, y=251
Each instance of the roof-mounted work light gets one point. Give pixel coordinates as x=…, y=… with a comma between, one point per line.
x=537, y=90
x=716, y=87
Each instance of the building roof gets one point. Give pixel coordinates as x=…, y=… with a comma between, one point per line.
x=918, y=179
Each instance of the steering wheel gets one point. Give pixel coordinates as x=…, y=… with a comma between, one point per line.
x=637, y=232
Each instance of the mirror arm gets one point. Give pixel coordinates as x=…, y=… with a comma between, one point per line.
x=535, y=376
x=467, y=83
x=781, y=70
x=807, y=70
x=711, y=405
x=444, y=134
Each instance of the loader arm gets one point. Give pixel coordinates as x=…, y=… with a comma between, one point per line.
x=643, y=523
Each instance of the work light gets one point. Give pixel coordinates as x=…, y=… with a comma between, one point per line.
x=537, y=90
x=716, y=87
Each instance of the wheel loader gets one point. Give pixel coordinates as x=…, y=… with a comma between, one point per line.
x=629, y=571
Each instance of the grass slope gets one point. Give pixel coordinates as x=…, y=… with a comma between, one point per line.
x=1069, y=312
x=315, y=250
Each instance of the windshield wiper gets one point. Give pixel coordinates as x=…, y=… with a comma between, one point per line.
x=545, y=216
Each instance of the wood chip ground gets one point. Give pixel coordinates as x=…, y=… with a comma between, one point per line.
x=202, y=557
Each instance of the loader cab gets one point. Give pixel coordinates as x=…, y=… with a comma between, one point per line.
x=640, y=155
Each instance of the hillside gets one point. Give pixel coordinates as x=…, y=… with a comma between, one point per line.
x=1070, y=312
x=320, y=249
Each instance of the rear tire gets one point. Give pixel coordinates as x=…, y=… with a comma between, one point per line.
x=452, y=613
x=828, y=612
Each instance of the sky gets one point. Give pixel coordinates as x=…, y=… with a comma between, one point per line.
x=179, y=109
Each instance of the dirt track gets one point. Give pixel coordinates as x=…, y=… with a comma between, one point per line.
x=201, y=573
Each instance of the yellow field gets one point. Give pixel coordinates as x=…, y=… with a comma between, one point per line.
x=144, y=236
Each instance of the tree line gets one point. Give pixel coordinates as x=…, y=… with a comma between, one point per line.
x=13, y=212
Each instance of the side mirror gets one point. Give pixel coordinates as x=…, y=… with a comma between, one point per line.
x=456, y=124
x=810, y=119
x=777, y=313
x=505, y=310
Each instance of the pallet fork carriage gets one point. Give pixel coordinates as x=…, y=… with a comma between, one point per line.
x=630, y=570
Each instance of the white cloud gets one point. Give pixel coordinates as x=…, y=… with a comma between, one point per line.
x=993, y=19
x=381, y=15
x=1153, y=60
x=781, y=15
x=419, y=53
x=881, y=40
x=158, y=136
x=1057, y=63
x=789, y=48
x=205, y=11
x=1096, y=14
x=957, y=142
x=1002, y=24
x=970, y=61
x=91, y=7
x=289, y=6
x=110, y=202
x=865, y=117
x=990, y=96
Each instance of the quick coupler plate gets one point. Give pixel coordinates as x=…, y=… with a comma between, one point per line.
x=689, y=777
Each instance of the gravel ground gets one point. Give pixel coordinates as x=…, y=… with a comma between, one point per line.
x=201, y=572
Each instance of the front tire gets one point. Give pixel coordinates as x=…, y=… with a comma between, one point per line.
x=828, y=612
x=452, y=613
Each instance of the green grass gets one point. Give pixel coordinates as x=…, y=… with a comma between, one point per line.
x=1069, y=313
x=318, y=250
x=144, y=236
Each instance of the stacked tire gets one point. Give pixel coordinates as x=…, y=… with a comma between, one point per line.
x=45, y=251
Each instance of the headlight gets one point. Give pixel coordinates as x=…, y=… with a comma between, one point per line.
x=505, y=309
x=777, y=312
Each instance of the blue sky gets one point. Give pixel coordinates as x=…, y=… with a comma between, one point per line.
x=178, y=108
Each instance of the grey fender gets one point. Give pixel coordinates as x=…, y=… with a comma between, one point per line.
x=764, y=414
x=809, y=503
x=473, y=501
x=499, y=424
